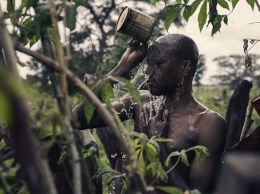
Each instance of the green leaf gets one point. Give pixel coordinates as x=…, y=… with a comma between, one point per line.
x=184, y=158
x=216, y=24
x=194, y=6
x=168, y=159
x=89, y=110
x=234, y=3
x=25, y=3
x=141, y=162
x=202, y=17
x=187, y=12
x=151, y=152
x=226, y=20
x=153, y=2
x=34, y=39
x=194, y=191
x=172, y=12
x=71, y=14
x=10, y=5
x=63, y=155
x=21, y=64
x=170, y=190
x=107, y=94
x=133, y=91
x=251, y=3
x=79, y=2
x=223, y=4
x=178, y=1
x=5, y=110
x=200, y=152
x=170, y=142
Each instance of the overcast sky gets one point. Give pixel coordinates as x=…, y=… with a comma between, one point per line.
x=229, y=41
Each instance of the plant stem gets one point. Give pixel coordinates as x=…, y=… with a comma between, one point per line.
x=75, y=161
x=28, y=153
x=103, y=111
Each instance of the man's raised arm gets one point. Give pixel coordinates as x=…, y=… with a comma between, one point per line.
x=133, y=55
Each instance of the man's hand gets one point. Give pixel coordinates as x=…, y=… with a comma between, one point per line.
x=133, y=56
x=135, y=52
x=155, y=124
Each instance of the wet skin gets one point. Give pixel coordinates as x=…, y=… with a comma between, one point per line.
x=180, y=117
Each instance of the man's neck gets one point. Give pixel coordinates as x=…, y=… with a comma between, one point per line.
x=179, y=101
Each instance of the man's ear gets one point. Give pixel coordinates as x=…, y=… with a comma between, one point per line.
x=186, y=66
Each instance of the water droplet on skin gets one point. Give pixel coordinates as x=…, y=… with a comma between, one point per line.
x=113, y=155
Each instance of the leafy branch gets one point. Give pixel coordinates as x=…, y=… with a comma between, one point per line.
x=207, y=11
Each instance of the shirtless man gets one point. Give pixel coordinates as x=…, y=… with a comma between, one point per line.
x=172, y=62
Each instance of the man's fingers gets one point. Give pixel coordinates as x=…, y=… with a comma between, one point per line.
x=159, y=114
x=152, y=108
x=145, y=114
x=143, y=121
x=165, y=116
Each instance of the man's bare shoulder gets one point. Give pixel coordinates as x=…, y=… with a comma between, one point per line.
x=213, y=118
x=213, y=131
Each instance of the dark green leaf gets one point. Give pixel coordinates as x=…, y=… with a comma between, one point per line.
x=194, y=191
x=234, y=3
x=184, y=158
x=226, y=20
x=187, y=12
x=10, y=5
x=202, y=17
x=172, y=12
x=178, y=1
x=79, y=2
x=170, y=142
x=89, y=110
x=223, y=3
x=34, y=39
x=21, y=64
x=107, y=94
x=63, y=156
x=14, y=17
x=151, y=152
x=200, y=152
x=216, y=24
x=170, y=190
x=153, y=2
x=169, y=9
x=5, y=113
x=71, y=14
x=25, y=3
x=141, y=162
x=251, y=3
x=194, y=6
x=167, y=161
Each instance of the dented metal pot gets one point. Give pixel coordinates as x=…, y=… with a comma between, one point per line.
x=135, y=24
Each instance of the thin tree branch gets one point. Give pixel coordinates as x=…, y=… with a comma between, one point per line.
x=103, y=111
x=247, y=123
x=28, y=153
x=75, y=164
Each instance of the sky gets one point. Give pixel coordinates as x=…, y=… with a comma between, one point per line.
x=229, y=41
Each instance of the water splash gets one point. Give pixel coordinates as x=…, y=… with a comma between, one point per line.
x=113, y=155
